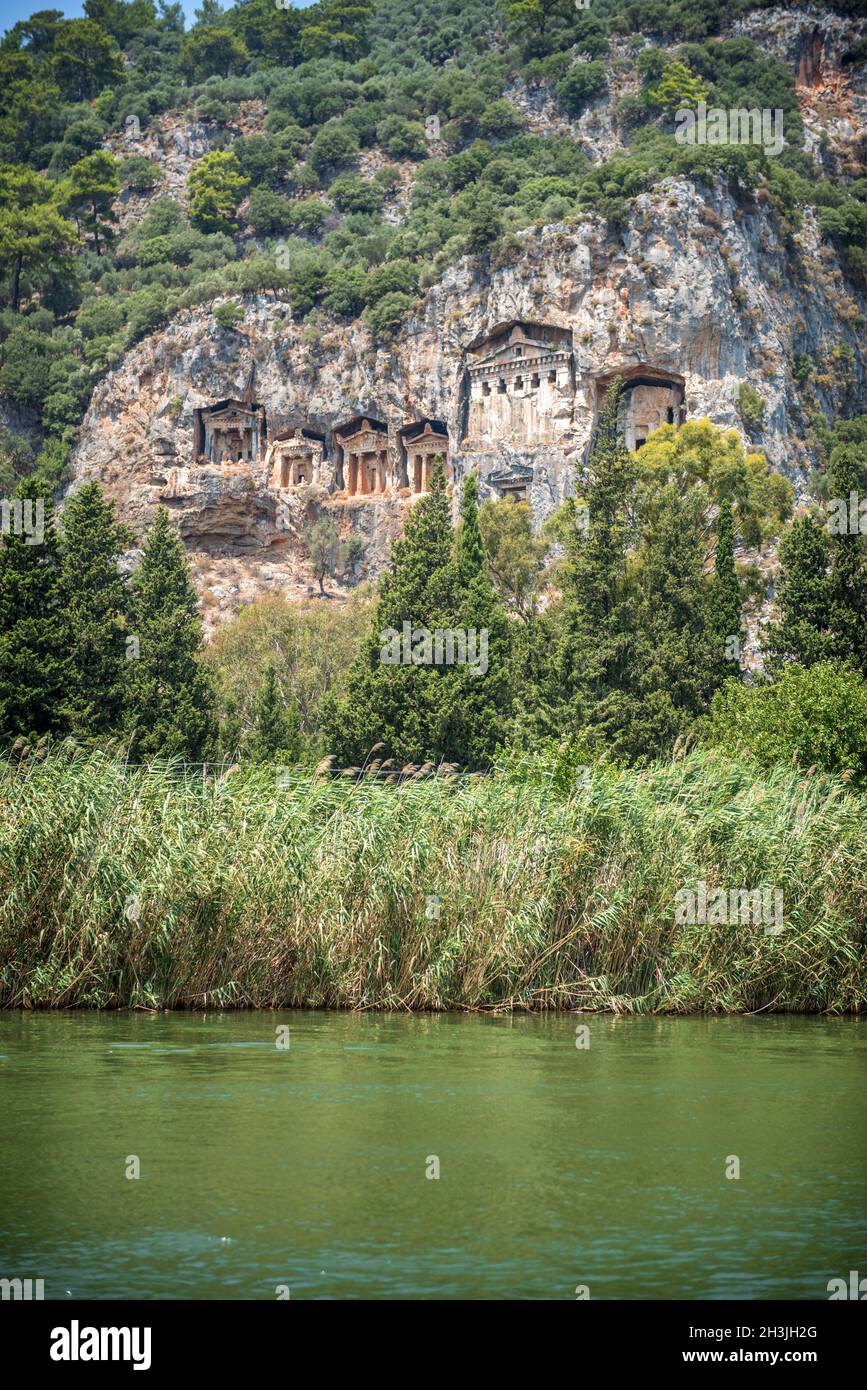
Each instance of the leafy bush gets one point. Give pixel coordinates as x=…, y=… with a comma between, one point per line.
x=309, y=216
x=816, y=716
x=580, y=85
x=227, y=314
x=385, y=316
x=354, y=194
x=750, y=404
x=394, y=277
x=347, y=291
x=139, y=174
x=402, y=139
x=335, y=146
x=500, y=120
x=269, y=213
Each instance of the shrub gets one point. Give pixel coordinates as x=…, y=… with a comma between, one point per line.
x=139, y=174
x=389, y=178
x=402, y=139
x=500, y=119
x=816, y=716
x=335, y=146
x=354, y=194
x=264, y=160
x=385, y=316
x=394, y=277
x=580, y=85
x=228, y=314
x=309, y=216
x=347, y=291
x=100, y=318
x=750, y=404
x=270, y=213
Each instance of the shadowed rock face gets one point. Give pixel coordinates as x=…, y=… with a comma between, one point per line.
x=696, y=290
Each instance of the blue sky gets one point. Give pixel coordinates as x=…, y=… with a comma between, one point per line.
x=13, y=10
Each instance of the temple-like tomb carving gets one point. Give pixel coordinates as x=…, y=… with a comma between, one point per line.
x=363, y=458
x=294, y=458
x=651, y=396
x=231, y=431
x=521, y=385
x=513, y=482
x=423, y=442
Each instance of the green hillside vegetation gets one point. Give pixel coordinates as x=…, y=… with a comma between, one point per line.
x=287, y=210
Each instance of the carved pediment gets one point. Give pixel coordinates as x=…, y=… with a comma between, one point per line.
x=428, y=440
x=365, y=442
x=518, y=476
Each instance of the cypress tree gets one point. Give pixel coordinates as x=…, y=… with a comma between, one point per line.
x=33, y=660
x=596, y=639
x=276, y=727
x=231, y=737
x=725, y=602
x=470, y=547
x=477, y=705
x=169, y=701
x=847, y=580
x=398, y=694
x=94, y=609
x=802, y=632
x=667, y=682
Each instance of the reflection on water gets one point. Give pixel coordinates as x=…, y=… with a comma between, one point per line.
x=306, y=1165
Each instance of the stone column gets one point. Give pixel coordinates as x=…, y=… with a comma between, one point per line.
x=352, y=482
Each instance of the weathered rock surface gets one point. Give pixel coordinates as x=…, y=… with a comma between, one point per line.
x=696, y=286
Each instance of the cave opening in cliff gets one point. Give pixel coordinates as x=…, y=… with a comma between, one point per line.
x=649, y=397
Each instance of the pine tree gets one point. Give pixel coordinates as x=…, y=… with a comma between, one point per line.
x=33, y=660
x=276, y=729
x=88, y=192
x=94, y=612
x=169, y=701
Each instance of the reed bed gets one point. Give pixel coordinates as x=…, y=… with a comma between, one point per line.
x=149, y=888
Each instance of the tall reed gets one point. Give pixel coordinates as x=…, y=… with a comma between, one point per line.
x=152, y=888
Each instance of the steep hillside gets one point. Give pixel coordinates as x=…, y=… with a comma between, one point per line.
x=325, y=246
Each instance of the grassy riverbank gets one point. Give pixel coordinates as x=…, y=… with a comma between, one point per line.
x=147, y=888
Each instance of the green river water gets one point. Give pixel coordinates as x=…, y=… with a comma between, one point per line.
x=304, y=1168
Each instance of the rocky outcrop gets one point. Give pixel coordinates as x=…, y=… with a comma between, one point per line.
x=832, y=92
x=696, y=287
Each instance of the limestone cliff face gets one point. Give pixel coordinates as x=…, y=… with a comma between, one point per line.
x=696, y=291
